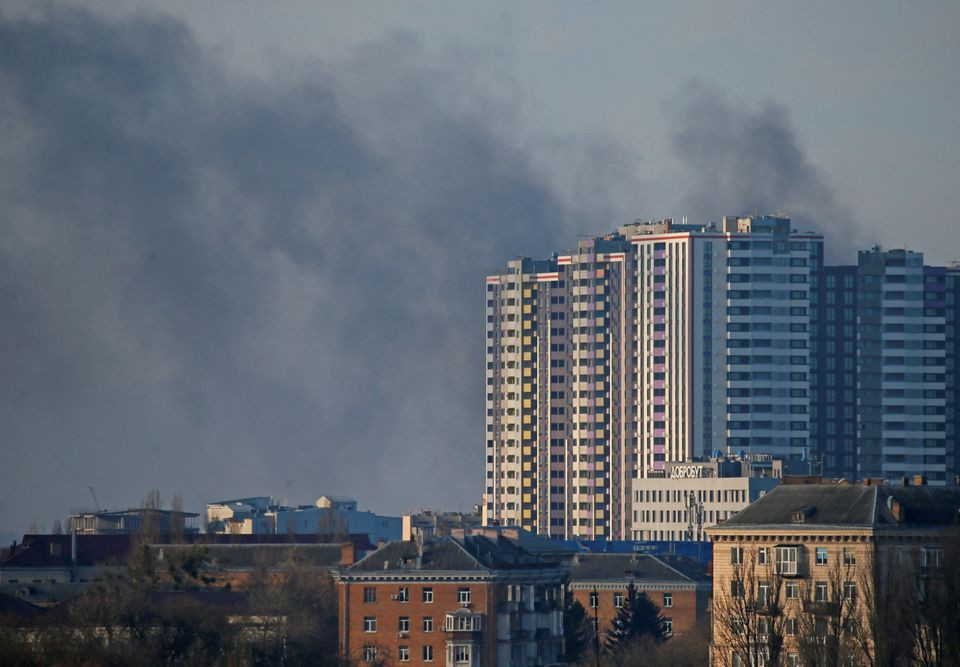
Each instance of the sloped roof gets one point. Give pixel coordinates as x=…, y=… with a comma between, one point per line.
x=851, y=505
x=621, y=567
x=461, y=553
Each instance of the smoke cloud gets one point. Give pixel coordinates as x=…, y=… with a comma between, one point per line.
x=226, y=287
x=740, y=159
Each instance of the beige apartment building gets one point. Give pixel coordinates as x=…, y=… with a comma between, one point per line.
x=833, y=574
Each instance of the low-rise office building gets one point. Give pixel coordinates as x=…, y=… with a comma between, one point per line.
x=329, y=515
x=477, y=600
x=687, y=497
x=133, y=521
x=679, y=586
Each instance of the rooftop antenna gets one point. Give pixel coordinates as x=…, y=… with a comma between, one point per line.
x=94, y=498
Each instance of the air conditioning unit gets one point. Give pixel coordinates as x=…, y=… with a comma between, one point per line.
x=403, y=634
x=395, y=597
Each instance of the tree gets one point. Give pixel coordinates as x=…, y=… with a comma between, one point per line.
x=749, y=618
x=577, y=629
x=638, y=617
x=830, y=612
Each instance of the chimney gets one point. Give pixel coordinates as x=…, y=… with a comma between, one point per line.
x=73, y=548
x=347, y=554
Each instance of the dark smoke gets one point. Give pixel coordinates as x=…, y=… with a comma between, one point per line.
x=740, y=159
x=222, y=287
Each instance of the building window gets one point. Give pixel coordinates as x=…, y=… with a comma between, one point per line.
x=618, y=600
x=736, y=588
x=762, y=555
x=849, y=557
x=427, y=594
x=369, y=594
x=793, y=660
x=428, y=623
x=403, y=654
x=463, y=595
x=786, y=560
x=849, y=590
x=369, y=653
x=668, y=626
x=791, y=626
x=461, y=654
x=820, y=591
x=427, y=653
x=821, y=556
x=736, y=555
x=763, y=592
x=403, y=595
x=793, y=590
x=404, y=624
x=667, y=600
x=594, y=600
x=369, y=623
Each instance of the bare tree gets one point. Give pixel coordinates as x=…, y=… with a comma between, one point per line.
x=748, y=612
x=830, y=613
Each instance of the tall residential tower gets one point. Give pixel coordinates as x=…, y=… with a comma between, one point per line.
x=654, y=344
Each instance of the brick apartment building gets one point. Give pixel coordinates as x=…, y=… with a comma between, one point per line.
x=679, y=586
x=477, y=600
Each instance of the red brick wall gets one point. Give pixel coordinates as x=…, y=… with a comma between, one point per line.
x=684, y=611
x=388, y=612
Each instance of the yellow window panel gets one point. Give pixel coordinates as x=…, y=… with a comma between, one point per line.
x=600, y=449
x=599, y=322
x=528, y=403
x=527, y=372
x=598, y=434
x=527, y=324
x=526, y=514
x=528, y=293
x=528, y=435
x=527, y=388
x=600, y=481
x=599, y=514
x=527, y=309
x=599, y=386
x=600, y=401
x=528, y=356
x=528, y=497
x=528, y=482
x=599, y=273
x=528, y=419
x=528, y=340
x=600, y=337
x=527, y=466
x=528, y=451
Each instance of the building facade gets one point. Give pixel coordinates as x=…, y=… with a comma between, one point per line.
x=463, y=600
x=679, y=586
x=802, y=575
x=688, y=497
x=329, y=515
x=658, y=343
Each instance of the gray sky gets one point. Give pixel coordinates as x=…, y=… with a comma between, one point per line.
x=242, y=244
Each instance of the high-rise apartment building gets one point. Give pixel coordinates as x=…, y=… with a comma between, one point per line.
x=658, y=343
x=884, y=362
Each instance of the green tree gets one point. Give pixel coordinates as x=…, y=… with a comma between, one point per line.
x=576, y=628
x=638, y=618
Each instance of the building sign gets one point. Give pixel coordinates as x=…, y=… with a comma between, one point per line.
x=689, y=472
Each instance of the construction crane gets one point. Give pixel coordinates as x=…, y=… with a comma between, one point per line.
x=94, y=498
